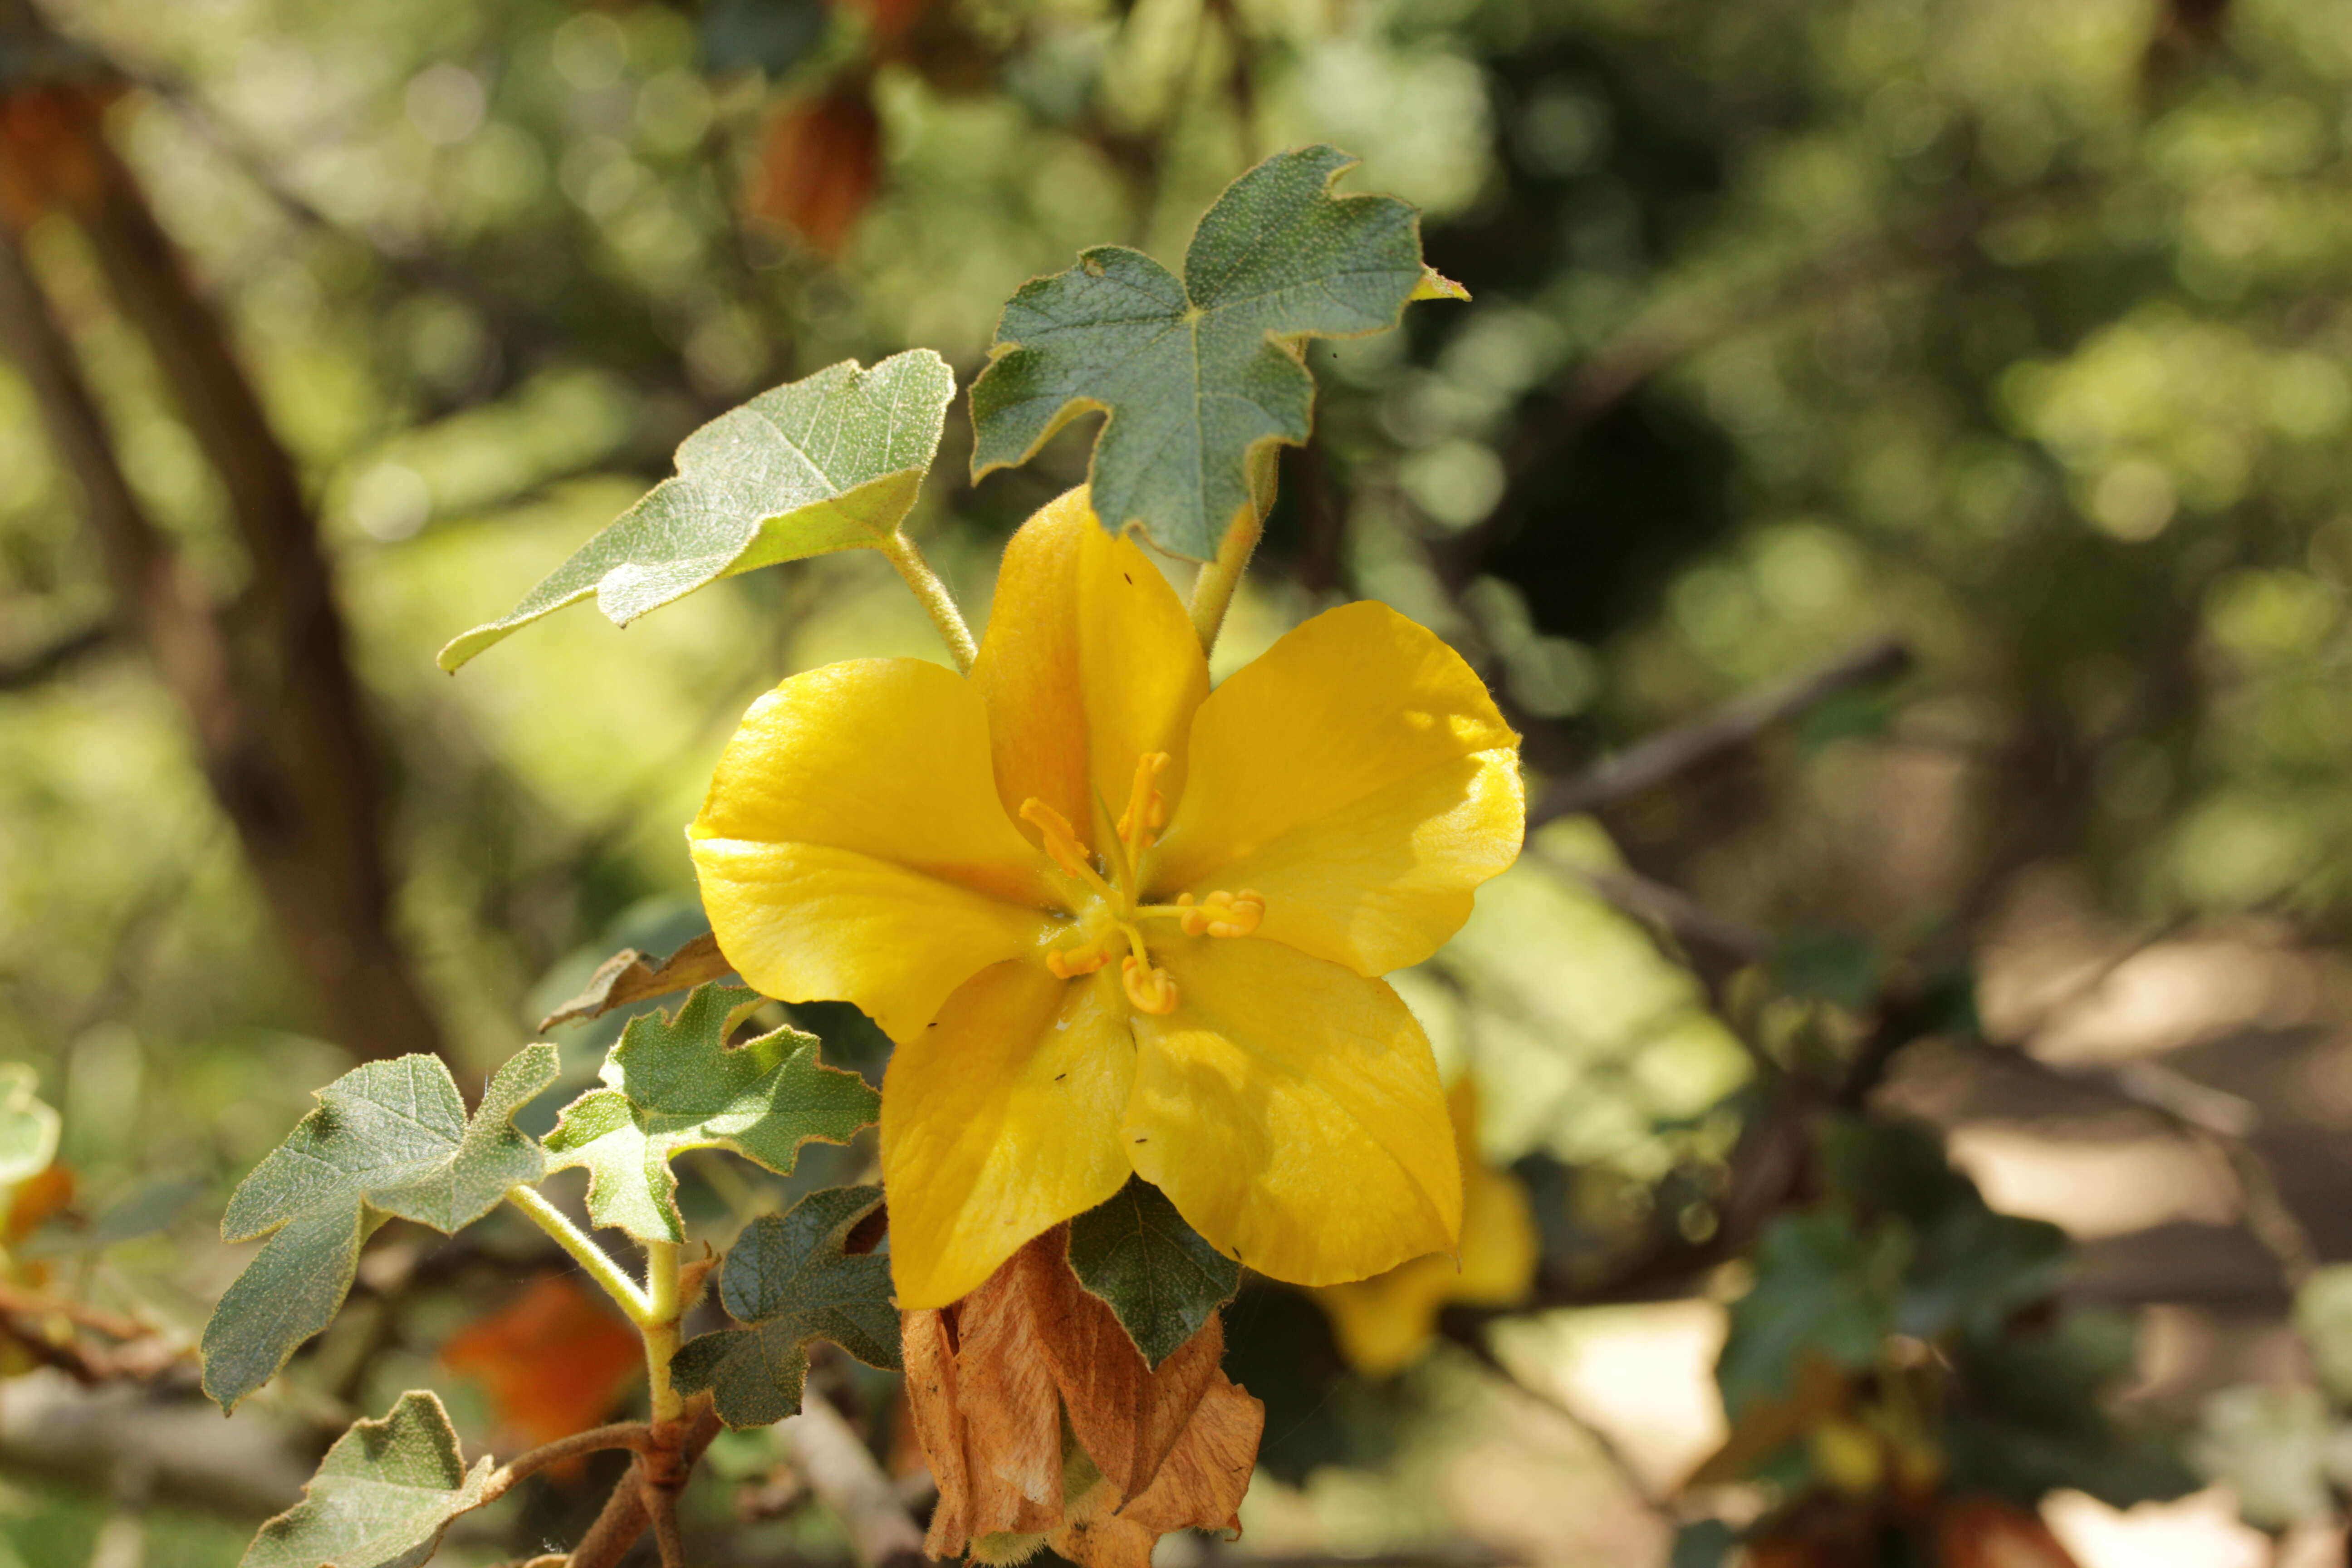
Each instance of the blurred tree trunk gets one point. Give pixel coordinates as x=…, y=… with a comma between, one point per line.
x=281, y=724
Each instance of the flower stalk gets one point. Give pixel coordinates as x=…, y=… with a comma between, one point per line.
x=1213, y=589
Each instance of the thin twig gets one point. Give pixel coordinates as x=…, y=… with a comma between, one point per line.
x=1672, y=910
x=1685, y=747
x=832, y=1460
x=671, y=1460
x=36, y=1304
x=632, y=1435
x=56, y=658
x=662, y=1504
x=1474, y=1341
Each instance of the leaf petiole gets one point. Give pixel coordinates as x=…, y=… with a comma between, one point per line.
x=633, y=1300
x=902, y=553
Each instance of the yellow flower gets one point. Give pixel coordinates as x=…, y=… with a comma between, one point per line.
x=1384, y=1323
x=1117, y=923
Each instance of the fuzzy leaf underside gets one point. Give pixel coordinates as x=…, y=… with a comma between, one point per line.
x=830, y=462
x=382, y=1498
x=672, y=1085
x=1198, y=373
x=789, y=1281
x=389, y=1139
x=28, y=1127
x=1157, y=1273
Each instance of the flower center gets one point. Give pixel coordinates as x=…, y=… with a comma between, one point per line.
x=1113, y=915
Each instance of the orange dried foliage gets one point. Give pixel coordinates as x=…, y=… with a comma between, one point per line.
x=52, y=151
x=37, y=1199
x=820, y=162
x=990, y=1381
x=554, y=1361
x=1985, y=1533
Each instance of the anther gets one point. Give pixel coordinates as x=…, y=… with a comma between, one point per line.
x=1147, y=809
x=1060, y=838
x=1068, y=963
x=1222, y=913
x=1150, y=988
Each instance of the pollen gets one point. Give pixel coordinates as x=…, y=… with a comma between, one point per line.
x=1061, y=839
x=1069, y=962
x=1221, y=913
x=1147, y=809
x=1150, y=988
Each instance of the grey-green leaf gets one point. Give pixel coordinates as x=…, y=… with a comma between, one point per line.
x=1824, y=1288
x=788, y=1278
x=382, y=1498
x=1197, y=374
x=1158, y=1273
x=28, y=1126
x=672, y=1085
x=831, y=462
x=387, y=1139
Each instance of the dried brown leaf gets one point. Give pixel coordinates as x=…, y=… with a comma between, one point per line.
x=553, y=1361
x=1199, y=1487
x=1985, y=1533
x=627, y=977
x=1127, y=1416
x=820, y=163
x=988, y=1381
x=1010, y=1411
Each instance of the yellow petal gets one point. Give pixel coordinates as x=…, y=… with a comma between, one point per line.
x=851, y=848
x=1358, y=776
x=1383, y=1323
x=1290, y=1110
x=1000, y=1122
x=1089, y=662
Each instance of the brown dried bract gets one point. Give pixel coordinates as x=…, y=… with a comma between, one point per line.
x=1044, y=1424
x=627, y=976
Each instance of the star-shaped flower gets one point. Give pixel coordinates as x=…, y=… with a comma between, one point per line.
x=1116, y=922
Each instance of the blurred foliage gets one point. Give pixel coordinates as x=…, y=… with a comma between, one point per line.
x=2016, y=327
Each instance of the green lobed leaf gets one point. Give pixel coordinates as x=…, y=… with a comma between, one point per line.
x=2277, y=1447
x=382, y=1498
x=387, y=1139
x=28, y=1126
x=2323, y=1316
x=1157, y=1273
x=788, y=1278
x=830, y=462
x=1823, y=1288
x=674, y=1085
x=1198, y=375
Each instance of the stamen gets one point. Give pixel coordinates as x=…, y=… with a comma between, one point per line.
x=1152, y=989
x=1147, y=809
x=1221, y=913
x=1069, y=962
x=1061, y=839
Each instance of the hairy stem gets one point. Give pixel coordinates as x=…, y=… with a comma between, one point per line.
x=902, y=553
x=589, y=1256
x=660, y=1327
x=633, y=1435
x=1213, y=590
